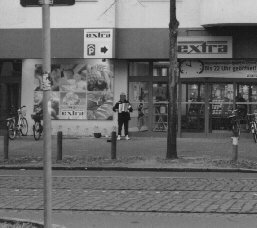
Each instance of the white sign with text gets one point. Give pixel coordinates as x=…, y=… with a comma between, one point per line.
x=218, y=68
x=98, y=43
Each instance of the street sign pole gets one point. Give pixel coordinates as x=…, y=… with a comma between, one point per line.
x=46, y=37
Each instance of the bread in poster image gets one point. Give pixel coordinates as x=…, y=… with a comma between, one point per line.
x=71, y=99
x=103, y=112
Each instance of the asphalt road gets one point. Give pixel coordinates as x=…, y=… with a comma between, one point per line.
x=133, y=199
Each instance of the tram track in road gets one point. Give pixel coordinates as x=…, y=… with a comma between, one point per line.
x=132, y=183
x=132, y=194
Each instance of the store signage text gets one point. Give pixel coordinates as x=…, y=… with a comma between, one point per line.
x=219, y=69
x=103, y=34
x=232, y=68
x=205, y=47
x=72, y=112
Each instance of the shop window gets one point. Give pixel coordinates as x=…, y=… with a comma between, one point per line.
x=160, y=103
x=10, y=68
x=160, y=69
x=221, y=106
x=138, y=69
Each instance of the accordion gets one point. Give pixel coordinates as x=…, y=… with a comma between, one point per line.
x=123, y=107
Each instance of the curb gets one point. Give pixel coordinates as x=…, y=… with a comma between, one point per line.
x=17, y=220
x=119, y=168
x=33, y=222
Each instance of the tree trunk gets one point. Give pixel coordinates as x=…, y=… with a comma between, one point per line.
x=172, y=85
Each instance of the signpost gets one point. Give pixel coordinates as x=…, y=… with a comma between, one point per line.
x=98, y=43
x=33, y=3
x=46, y=37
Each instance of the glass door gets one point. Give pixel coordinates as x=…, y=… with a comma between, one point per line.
x=221, y=105
x=252, y=106
x=139, y=99
x=192, y=107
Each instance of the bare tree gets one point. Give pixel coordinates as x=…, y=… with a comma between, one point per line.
x=172, y=84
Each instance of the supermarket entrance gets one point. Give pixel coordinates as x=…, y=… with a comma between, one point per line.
x=205, y=107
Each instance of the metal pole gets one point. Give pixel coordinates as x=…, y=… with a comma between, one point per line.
x=59, y=146
x=4, y=133
x=113, y=145
x=46, y=35
x=6, y=144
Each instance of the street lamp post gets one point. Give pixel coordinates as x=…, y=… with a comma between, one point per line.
x=46, y=35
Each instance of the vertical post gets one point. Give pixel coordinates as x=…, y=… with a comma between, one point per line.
x=206, y=110
x=179, y=107
x=6, y=144
x=114, y=145
x=172, y=84
x=4, y=133
x=46, y=35
x=234, y=148
x=59, y=145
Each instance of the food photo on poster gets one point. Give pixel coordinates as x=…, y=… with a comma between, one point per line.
x=99, y=106
x=38, y=103
x=83, y=90
x=73, y=105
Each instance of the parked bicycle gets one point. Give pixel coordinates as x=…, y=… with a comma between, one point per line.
x=37, y=126
x=20, y=127
x=235, y=119
x=252, y=122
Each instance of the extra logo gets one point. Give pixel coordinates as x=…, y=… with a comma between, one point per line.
x=201, y=47
x=91, y=49
x=97, y=34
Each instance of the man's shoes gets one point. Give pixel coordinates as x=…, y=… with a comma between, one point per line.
x=118, y=138
x=127, y=138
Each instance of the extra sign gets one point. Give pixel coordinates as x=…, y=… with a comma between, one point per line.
x=98, y=43
x=205, y=47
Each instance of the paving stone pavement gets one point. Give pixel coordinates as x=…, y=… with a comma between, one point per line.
x=132, y=194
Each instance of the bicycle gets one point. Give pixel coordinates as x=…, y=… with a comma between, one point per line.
x=20, y=127
x=37, y=126
x=252, y=120
x=235, y=122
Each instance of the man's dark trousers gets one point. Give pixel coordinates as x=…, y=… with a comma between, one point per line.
x=121, y=122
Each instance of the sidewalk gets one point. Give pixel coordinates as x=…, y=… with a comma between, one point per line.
x=137, y=153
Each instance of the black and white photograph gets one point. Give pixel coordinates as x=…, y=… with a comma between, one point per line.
x=128, y=114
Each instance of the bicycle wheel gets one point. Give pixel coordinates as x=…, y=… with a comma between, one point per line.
x=11, y=130
x=37, y=131
x=24, y=127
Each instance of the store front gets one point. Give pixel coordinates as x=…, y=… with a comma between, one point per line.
x=205, y=100
x=148, y=87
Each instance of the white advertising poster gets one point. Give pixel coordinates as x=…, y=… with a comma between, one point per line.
x=218, y=68
x=81, y=90
x=205, y=47
x=98, y=43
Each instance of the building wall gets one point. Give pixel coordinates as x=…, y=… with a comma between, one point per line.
x=82, y=14
x=215, y=12
x=155, y=14
x=103, y=13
